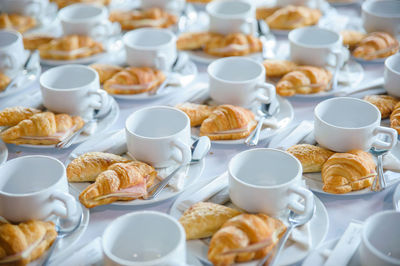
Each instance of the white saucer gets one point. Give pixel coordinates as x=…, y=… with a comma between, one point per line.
x=3, y=152
x=375, y=61
x=319, y=225
x=194, y=172
x=396, y=198
x=204, y=58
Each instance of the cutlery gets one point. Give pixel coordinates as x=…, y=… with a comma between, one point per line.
x=25, y=70
x=268, y=40
x=371, y=85
x=265, y=112
x=67, y=142
x=379, y=181
x=199, y=149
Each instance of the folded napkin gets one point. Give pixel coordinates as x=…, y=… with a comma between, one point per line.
x=177, y=183
x=303, y=130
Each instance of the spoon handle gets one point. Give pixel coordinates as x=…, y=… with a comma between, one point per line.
x=160, y=186
x=51, y=250
x=252, y=140
x=278, y=249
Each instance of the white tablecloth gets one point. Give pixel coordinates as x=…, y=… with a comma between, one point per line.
x=341, y=211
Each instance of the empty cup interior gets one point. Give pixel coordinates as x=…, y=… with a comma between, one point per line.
x=147, y=38
x=141, y=237
x=313, y=36
x=383, y=8
x=156, y=122
x=229, y=8
x=347, y=113
x=7, y=38
x=80, y=12
x=26, y=175
x=68, y=77
x=235, y=70
x=264, y=167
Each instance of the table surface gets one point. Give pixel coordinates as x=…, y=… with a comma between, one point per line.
x=341, y=210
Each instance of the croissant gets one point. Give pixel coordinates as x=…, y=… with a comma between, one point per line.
x=265, y=12
x=70, y=47
x=134, y=80
x=384, y=103
x=345, y=172
x=352, y=38
x=242, y=231
x=278, y=68
x=293, y=17
x=228, y=122
x=299, y=81
x=11, y=116
x=64, y=3
x=196, y=112
x=17, y=22
x=122, y=181
x=235, y=44
x=203, y=219
x=311, y=157
x=153, y=17
x=105, y=71
x=88, y=166
x=376, y=45
x=15, y=239
x=33, y=41
x=194, y=40
x=42, y=129
x=4, y=81
x=395, y=118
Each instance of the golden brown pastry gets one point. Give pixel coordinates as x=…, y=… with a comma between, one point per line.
x=134, y=80
x=376, y=45
x=70, y=47
x=203, y=219
x=278, y=68
x=395, y=118
x=42, y=129
x=299, y=81
x=293, y=17
x=194, y=40
x=64, y=3
x=17, y=22
x=4, y=81
x=265, y=12
x=15, y=239
x=228, y=122
x=346, y=172
x=352, y=37
x=122, y=181
x=196, y=112
x=33, y=41
x=88, y=166
x=384, y=103
x=11, y=116
x=153, y=17
x=199, y=1
x=241, y=231
x=105, y=71
x=311, y=157
x=236, y=44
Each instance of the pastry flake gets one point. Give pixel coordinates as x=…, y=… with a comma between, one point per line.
x=277, y=67
x=197, y=112
x=311, y=157
x=4, y=81
x=376, y=45
x=395, y=118
x=17, y=22
x=235, y=44
x=384, y=103
x=106, y=71
x=121, y=181
x=194, y=40
x=293, y=17
x=11, y=116
x=228, y=122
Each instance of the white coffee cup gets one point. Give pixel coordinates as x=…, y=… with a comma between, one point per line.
x=239, y=81
x=34, y=8
x=159, y=136
x=380, y=240
x=175, y=5
x=268, y=181
x=87, y=19
x=316, y=46
x=343, y=123
x=12, y=53
x=382, y=15
x=34, y=187
x=150, y=48
x=74, y=90
x=392, y=75
x=144, y=238
x=231, y=16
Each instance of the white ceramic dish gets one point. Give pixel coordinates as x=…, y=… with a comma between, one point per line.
x=194, y=172
x=319, y=225
x=3, y=152
x=396, y=198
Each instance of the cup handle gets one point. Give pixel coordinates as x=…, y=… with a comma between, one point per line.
x=269, y=89
x=339, y=62
x=101, y=30
x=68, y=201
x=250, y=22
x=34, y=8
x=161, y=61
x=185, y=153
x=308, y=197
x=104, y=100
x=383, y=145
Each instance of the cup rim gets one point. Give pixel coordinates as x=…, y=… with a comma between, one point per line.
x=62, y=16
x=128, y=216
x=57, y=68
x=14, y=195
x=368, y=244
x=368, y=3
x=148, y=48
x=388, y=61
x=231, y=58
x=317, y=115
x=19, y=36
x=322, y=46
x=259, y=186
x=212, y=4
x=131, y=116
